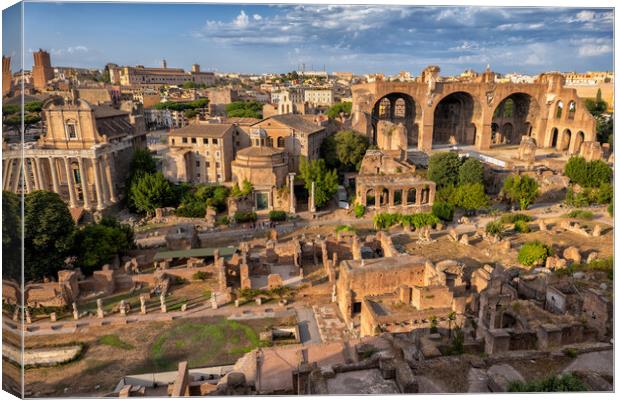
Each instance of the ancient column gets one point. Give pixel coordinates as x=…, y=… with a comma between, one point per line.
x=378, y=192
x=162, y=303
x=70, y=184
x=20, y=170
x=28, y=317
x=104, y=182
x=291, y=179
x=142, y=304
x=84, y=184
x=213, y=301
x=98, y=189
x=27, y=177
x=100, y=312
x=122, y=308
x=55, y=184
x=76, y=314
x=418, y=195
x=39, y=174
x=108, y=166
x=5, y=176
x=312, y=201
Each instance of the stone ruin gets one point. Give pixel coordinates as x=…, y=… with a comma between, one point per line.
x=527, y=149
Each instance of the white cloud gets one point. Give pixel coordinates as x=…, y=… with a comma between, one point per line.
x=594, y=50
x=242, y=20
x=257, y=17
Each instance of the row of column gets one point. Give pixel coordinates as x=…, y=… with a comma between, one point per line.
x=423, y=196
x=35, y=177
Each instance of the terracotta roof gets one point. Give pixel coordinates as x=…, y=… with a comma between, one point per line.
x=296, y=122
x=203, y=130
x=259, y=152
x=107, y=111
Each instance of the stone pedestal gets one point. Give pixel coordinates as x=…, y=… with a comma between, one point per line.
x=258, y=301
x=183, y=307
x=162, y=303
x=53, y=317
x=122, y=308
x=100, y=312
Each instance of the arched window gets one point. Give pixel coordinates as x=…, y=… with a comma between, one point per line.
x=71, y=129
x=399, y=108
x=571, y=110
x=280, y=142
x=385, y=108
x=558, y=109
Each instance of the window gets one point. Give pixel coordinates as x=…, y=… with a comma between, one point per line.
x=184, y=140
x=558, y=110
x=194, y=140
x=214, y=141
x=219, y=177
x=198, y=163
x=207, y=164
x=217, y=165
x=71, y=130
x=172, y=140
x=205, y=141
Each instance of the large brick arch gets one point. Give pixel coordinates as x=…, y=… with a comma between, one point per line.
x=487, y=96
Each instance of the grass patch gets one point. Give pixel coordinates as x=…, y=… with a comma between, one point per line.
x=580, y=214
x=561, y=383
x=114, y=341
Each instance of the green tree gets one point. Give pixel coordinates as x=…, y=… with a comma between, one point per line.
x=590, y=174
x=48, y=234
x=96, y=244
x=470, y=197
x=338, y=109
x=325, y=180
x=142, y=162
x=151, y=191
x=344, y=150
x=244, y=109
x=11, y=236
x=443, y=211
x=443, y=169
x=521, y=189
x=471, y=171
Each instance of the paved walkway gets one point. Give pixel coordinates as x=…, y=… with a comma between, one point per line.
x=308, y=327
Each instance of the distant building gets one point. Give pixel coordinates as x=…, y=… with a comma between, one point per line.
x=42, y=71
x=156, y=77
x=84, y=155
x=319, y=96
x=200, y=153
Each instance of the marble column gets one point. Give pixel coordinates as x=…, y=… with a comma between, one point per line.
x=70, y=184
x=84, y=183
x=104, y=181
x=109, y=171
x=6, y=172
x=39, y=173
x=291, y=179
x=18, y=178
x=418, y=200
x=55, y=184
x=378, y=192
x=27, y=176
x=98, y=189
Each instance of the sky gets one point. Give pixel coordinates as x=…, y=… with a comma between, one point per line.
x=279, y=38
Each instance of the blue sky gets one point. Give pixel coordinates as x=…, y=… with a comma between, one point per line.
x=362, y=39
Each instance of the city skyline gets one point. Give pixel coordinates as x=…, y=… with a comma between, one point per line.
x=280, y=38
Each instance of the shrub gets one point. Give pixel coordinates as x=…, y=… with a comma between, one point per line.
x=580, y=214
x=495, y=228
x=521, y=189
x=562, y=383
x=588, y=174
x=470, y=196
x=200, y=276
x=604, y=194
x=534, y=253
x=522, y=227
x=471, y=171
x=277, y=215
x=345, y=228
x=513, y=218
x=573, y=199
x=359, y=210
x=245, y=216
x=385, y=220
x=223, y=220
x=418, y=220
x=610, y=209
x=443, y=211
